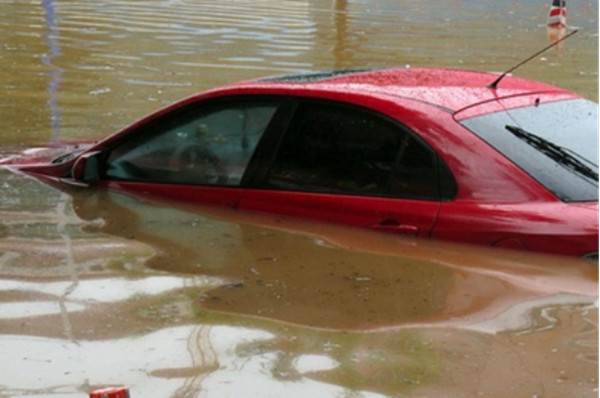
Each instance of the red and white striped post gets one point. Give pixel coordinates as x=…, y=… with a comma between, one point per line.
x=557, y=18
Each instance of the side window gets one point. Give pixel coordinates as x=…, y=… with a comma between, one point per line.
x=415, y=175
x=207, y=146
x=340, y=149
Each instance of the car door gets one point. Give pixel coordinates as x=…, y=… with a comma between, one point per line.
x=197, y=154
x=345, y=164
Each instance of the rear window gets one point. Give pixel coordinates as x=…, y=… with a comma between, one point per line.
x=556, y=143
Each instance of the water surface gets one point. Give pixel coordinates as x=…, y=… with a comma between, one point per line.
x=101, y=289
x=82, y=69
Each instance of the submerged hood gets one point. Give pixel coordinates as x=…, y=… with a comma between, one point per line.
x=53, y=154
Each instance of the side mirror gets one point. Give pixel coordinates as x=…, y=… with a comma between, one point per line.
x=86, y=169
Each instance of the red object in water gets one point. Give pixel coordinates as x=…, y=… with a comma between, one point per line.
x=110, y=392
x=431, y=153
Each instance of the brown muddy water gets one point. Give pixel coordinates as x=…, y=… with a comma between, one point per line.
x=100, y=289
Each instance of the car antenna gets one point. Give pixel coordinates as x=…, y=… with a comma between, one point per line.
x=494, y=85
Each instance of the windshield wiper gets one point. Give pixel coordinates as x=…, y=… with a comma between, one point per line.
x=555, y=152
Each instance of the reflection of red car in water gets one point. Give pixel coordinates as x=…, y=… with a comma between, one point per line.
x=425, y=152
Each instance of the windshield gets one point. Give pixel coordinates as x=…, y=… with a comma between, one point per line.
x=556, y=143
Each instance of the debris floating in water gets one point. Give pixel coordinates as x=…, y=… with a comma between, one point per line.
x=111, y=392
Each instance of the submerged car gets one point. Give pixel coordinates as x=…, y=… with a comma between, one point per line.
x=432, y=153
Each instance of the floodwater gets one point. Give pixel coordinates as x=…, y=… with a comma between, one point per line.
x=100, y=289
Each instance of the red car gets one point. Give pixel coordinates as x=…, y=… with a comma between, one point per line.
x=433, y=153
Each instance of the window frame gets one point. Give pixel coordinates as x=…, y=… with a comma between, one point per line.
x=262, y=160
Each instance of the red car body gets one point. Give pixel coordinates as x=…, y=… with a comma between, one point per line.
x=478, y=194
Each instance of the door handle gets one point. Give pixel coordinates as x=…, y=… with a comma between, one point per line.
x=394, y=226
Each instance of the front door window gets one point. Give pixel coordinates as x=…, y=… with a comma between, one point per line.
x=208, y=146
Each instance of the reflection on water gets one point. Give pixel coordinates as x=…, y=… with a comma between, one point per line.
x=55, y=75
x=208, y=302
x=101, y=289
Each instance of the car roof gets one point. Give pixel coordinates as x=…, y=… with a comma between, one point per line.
x=450, y=89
